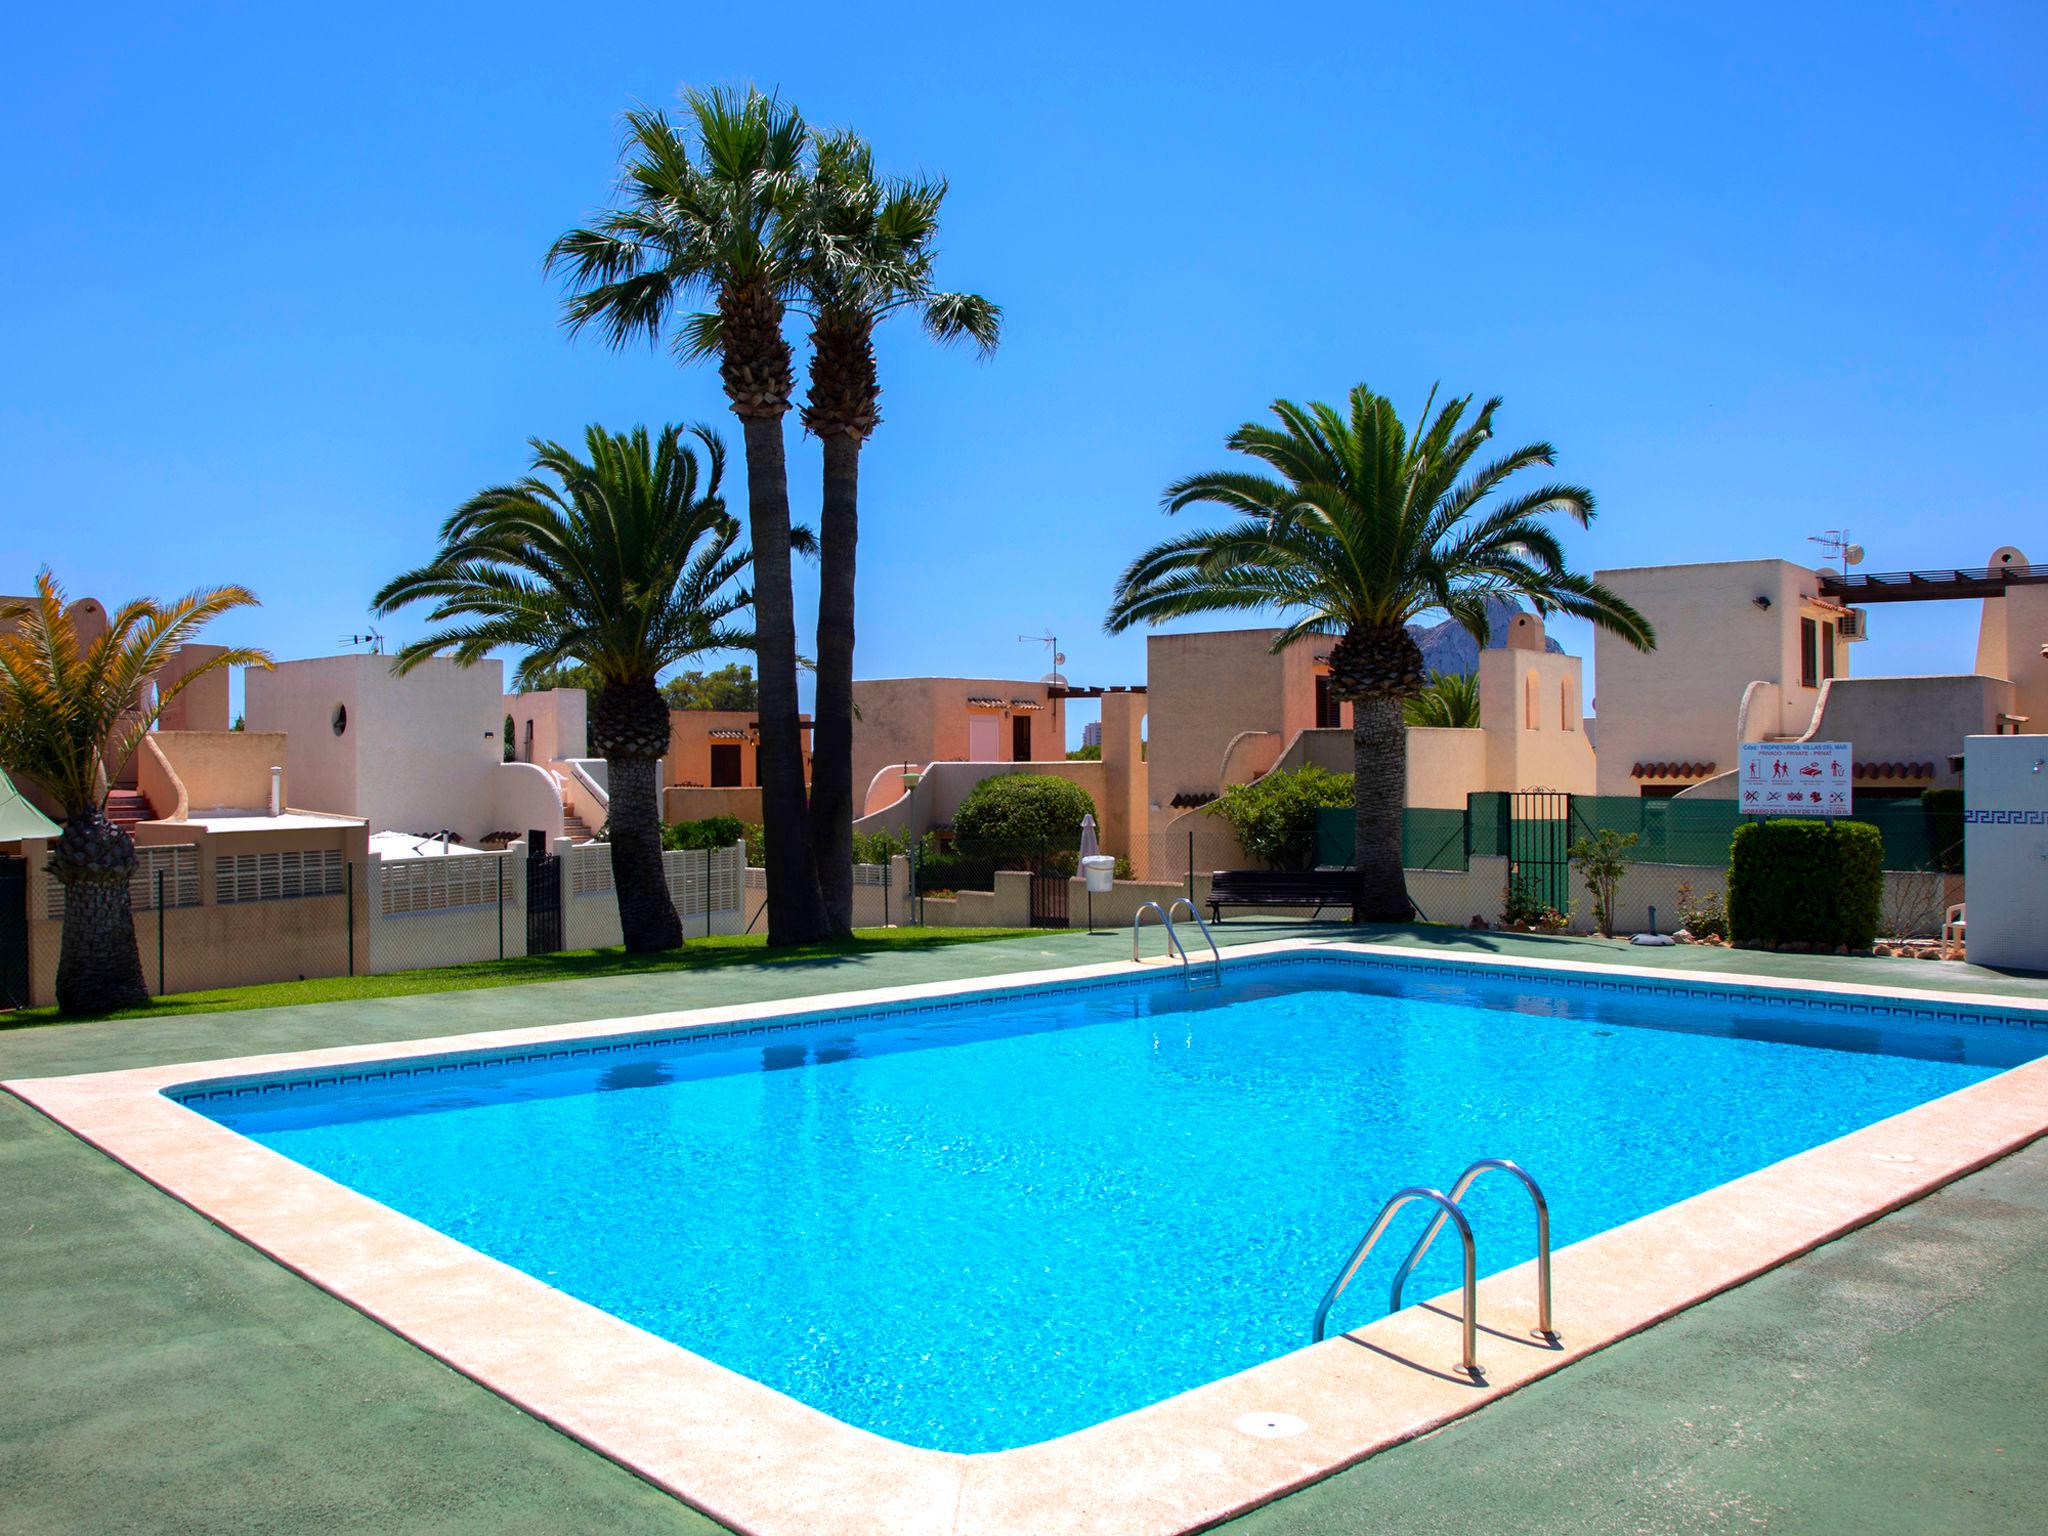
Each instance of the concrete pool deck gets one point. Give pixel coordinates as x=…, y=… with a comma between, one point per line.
x=245, y=1366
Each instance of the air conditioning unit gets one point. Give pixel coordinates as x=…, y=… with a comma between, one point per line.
x=1854, y=624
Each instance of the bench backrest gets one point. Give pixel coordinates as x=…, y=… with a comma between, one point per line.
x=1226, y=883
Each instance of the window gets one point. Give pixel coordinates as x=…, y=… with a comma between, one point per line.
x=1809, y=654
x=1329, y=711
x=527, y=755
x=1827, y=649
x=725, y=765
x=339, y=719
x=1020, y=739
x=1565, y=722
x=1531, y=720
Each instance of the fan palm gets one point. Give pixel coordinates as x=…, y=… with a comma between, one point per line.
x=1359, y=528
x=624, y=561
x=73, y=712
x=869, y=251
x=1449, y=700
x=705, y=214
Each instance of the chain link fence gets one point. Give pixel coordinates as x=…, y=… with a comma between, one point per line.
x=292, y=915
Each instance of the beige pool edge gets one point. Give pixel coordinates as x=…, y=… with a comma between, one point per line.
x=766, y=1464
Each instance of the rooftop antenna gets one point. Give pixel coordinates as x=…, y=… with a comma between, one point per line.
x=373, y=639
x=1835, y=543
x=1051, y=642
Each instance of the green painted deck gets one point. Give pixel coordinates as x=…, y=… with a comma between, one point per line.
x=157, y=1375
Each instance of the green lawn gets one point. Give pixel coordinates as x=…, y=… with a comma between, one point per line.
x=571, y=965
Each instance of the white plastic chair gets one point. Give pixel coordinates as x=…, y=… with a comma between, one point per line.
x=1955, y=927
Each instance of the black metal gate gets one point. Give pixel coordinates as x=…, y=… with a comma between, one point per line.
x=1048, y=899
x=543, y=903
x=13, y=933
x=1539, y=843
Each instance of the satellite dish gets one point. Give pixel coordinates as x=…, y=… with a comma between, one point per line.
x=1853, y=555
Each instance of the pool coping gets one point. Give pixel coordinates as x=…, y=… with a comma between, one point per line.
x=759, y=1461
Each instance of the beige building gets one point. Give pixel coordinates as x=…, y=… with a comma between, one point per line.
x=419, y=753
x=902, y=724
x=1759, y=650
x=1226, y=709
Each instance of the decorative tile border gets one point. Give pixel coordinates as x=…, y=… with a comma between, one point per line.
x=2001, y=817
x=1630, y=982
x=768, y=1465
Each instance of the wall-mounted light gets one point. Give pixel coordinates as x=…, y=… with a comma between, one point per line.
x=1762, y=602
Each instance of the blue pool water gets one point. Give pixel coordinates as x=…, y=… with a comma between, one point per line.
x=980, y=1225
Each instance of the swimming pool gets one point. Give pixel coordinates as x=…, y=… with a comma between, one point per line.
x=975, y=1223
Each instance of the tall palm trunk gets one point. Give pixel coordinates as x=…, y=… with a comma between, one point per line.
x=647, y=914
x=1375, y=667
x=629, y=730
x=796, y=911
x=755, y=369
x=1379, y=795
x=832, y=786
x=98, y=965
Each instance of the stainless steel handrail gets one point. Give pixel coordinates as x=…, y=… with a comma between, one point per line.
x=1172, y=939
x=1217, y=954
x=1451, y=1212
x=1465, y=1182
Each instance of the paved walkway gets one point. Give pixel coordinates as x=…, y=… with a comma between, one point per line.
x=156, y=1375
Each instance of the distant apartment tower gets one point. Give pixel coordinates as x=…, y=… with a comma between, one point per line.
x=1091, y=734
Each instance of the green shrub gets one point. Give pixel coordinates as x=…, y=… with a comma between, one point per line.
x=1275, y=817
x=1600, y=861
x=711, y=832
x=1024, y=809
x=1944, y=808
x=879, y=847
x=1815, y=883
x=1704, y=917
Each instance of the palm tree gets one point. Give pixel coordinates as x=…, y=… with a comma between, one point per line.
x=1449, y=700
x=624, y=562
x=870, y=247
x=1358, y=529
x=712, y=221
x=73, y=713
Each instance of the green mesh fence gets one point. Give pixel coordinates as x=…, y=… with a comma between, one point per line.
x=1667, y=831
x=1430, y=838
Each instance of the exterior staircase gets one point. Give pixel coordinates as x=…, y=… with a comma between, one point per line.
x=576, y=797
x=128, y=807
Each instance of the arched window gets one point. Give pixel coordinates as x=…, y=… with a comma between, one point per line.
x=527, y=754
x=1531, y=720
x=1565, y=712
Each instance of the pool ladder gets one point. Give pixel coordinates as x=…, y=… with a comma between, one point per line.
x=1449, y=1209
x=1213, y=976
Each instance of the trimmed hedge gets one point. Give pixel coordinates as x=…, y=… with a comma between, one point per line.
x=1816, y=883
x=1024, y=808
x=1274, y=817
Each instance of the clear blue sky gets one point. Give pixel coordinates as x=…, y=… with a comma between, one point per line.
x=274, y=301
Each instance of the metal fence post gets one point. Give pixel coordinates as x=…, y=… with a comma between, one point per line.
x=350, y=894
x=1191, y=864
x=501, y=905
x=159, y=931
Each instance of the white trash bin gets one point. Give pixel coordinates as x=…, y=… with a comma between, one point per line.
x=1099, y=870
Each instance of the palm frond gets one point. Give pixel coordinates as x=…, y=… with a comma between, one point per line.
x=620, y=556
x=1354, y=521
